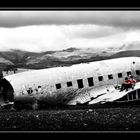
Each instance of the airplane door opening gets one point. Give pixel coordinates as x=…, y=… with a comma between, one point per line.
x=7, y=91
x=80, y=83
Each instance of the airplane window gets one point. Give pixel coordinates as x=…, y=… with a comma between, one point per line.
x=80, y=83
x=58, y=86
x=100, y=78
x=137, y=72
x=128, y=73
x=90, y=81
x=30, y=91
x=69, y=84
x=110, y=76
x=120, y=75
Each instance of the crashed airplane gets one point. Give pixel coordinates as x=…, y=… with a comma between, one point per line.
x=86, y=83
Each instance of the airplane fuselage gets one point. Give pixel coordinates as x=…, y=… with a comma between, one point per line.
x=73, y=84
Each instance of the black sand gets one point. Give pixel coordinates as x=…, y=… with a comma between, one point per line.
x=99, y=119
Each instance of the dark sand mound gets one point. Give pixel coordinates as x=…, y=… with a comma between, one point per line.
x=99, y=119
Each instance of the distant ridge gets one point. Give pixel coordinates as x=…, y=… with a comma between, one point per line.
x=133, y=45
x=32, y=60
x=70, y=49
x=126, y=54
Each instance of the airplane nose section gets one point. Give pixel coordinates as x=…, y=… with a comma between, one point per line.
x=7, y=92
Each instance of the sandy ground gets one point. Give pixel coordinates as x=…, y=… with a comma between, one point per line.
x=99, y=119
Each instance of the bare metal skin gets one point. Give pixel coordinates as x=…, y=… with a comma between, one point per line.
x=41, y=85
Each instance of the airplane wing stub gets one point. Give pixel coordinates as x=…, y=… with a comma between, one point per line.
x=114, y=95
x=101, y=95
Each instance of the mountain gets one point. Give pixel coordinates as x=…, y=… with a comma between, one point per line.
x=22, y=59
x=13, y=58
x=133, y=45
x=64, y=58
x=128, y=49
x=126, y=54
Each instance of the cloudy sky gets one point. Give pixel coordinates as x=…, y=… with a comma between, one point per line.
x=55, y=30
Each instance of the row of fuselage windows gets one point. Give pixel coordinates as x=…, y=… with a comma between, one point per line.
x=91, y=82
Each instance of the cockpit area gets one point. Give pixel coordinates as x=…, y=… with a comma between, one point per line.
x=6, y=92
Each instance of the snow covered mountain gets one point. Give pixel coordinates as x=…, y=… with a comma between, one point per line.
x=24, y=59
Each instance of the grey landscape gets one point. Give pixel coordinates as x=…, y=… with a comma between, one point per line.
x=46, y=39
x=31, y=60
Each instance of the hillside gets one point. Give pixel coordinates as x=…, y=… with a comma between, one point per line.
x=134, y=45
x=126, y=54
x=23, y=59
x=30, y=60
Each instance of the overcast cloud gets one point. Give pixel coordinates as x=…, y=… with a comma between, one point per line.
x=55, y=30
x=111, y=18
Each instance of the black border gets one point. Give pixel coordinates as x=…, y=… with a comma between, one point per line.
x=69, y=3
